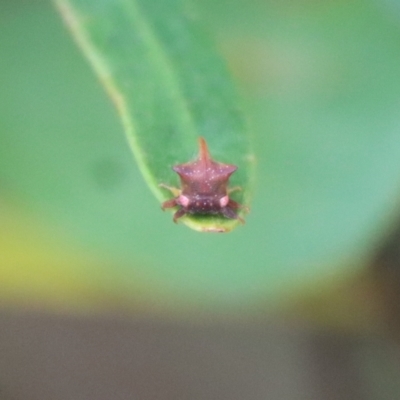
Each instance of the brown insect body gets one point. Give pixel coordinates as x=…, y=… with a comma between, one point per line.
x=204, y=187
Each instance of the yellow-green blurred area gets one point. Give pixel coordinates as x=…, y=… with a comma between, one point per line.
x=82, y=235
x=79, y=228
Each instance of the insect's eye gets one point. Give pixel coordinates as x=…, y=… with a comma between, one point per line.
x=223, y=201
x=183, y=200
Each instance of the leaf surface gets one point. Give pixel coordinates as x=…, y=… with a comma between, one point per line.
x=168, y=86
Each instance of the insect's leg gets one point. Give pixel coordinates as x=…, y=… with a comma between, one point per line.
x=180, y=213
x=175, y=191
x=231, y=214
x=234, y=189
x=169, y=204
x=230, y=210
x=235, y=205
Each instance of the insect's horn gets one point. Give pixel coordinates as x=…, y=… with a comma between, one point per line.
x=204, y=153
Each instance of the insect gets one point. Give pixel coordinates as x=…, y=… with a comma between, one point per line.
x=204, y=188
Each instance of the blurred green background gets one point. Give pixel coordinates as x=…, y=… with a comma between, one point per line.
x=79, y=229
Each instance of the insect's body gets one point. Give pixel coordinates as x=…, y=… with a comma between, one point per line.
x=204, y=187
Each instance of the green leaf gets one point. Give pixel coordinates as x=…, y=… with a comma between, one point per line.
x=168, y=86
